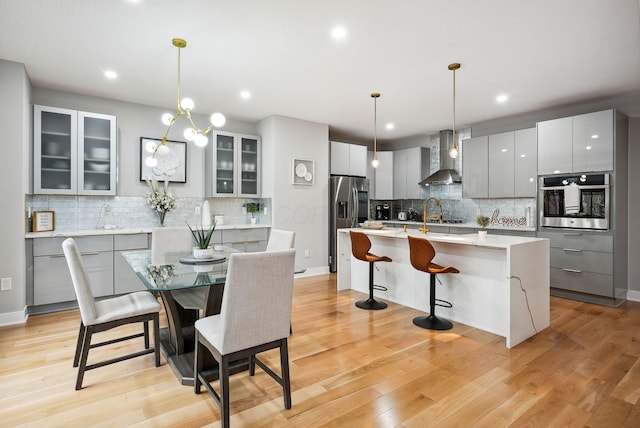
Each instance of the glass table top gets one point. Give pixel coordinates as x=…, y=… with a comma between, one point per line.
x=166, y=272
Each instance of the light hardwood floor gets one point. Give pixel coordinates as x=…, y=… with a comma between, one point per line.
x=349, y=367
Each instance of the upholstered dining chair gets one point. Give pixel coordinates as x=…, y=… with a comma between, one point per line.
x=281, y=240
x=177, y=238
x=103, y=315
x=246, y=326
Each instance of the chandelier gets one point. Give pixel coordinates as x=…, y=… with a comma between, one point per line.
x=375, y=162
x=183, y=108
x=454, y=147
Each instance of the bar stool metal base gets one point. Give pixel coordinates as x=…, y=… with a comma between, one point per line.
x=432, y=322
x=371, y=304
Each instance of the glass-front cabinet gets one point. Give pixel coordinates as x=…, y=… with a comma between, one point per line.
x=233, y=165
x=74, y=152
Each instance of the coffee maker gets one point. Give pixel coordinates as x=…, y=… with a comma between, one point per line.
x=383, y=212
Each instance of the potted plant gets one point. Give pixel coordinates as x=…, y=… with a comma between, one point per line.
x=483, y=222
x=202, y=237
x=252, y=208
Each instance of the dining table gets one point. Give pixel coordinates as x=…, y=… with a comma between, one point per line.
x=190, y=289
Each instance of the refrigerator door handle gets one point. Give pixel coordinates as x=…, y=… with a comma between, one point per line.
x=356, y=214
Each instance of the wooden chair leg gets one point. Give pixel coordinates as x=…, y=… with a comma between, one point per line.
x=76, y=358
x=145, y=326
x=198, y=363
x=156, y=338
x=224, y=392
x=284, y=366
x=86, y=344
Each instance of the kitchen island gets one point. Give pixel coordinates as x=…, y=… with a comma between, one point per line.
x=502, y=287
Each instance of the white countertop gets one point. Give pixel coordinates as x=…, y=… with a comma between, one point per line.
x=127, y=231
x=462, y=225
x=491, y=241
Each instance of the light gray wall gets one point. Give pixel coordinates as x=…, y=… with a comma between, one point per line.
x=15, y=122
x=135, y=121
x=634, y=204
x=303, y=209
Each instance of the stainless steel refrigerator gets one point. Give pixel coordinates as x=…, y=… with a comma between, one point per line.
x=349, y=206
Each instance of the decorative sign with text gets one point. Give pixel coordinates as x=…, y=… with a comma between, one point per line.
x=507, y=221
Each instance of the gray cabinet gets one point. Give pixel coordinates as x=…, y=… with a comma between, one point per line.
x=125, y=279
x=51, y=277
x=409, y=168
x=384, y=176
x=475, y=165
x=582, y=263
x=501, y=165
x=249, y=240
x=581, y=143
x=525, y=163
x=74, y=152
x=348, y=159
x=233, y=164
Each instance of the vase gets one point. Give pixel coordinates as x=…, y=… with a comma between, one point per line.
x=253, y=220
x=202, y=253
x=482, y=234
x=161, y=215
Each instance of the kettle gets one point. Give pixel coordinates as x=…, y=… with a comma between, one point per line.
x=402, y=216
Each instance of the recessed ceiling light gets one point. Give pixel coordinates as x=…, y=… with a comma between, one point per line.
x=523, y=155
x=390, y=126
x=588, y=147
x=504, y=150
x=339, y=33
x=245, y=94
x=110, y=74
x=502, y=98
x=594, y=136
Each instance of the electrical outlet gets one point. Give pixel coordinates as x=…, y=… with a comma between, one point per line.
x=306, y=253
x=196, y=210
x=266, y=212
x=5, y=284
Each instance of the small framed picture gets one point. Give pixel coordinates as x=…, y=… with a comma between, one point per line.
x=44, y=221
x=171, y=160
x=303, y=172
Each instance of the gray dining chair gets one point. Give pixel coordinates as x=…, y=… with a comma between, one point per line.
x=165, y=239
x=103, y=315
x=280, y=240
x=246, y=326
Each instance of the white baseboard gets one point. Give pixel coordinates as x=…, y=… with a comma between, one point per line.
x=13, y=318
x=633, y=295
x=313, y=271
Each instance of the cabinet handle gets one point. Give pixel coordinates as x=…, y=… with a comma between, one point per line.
x=252, y=242
x=572, y=270
x=90, y=253
x=572, y=234
x=54, y=256
x=572, y=250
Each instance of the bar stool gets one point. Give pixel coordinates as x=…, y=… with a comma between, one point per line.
x=422, y=252
x=360, y=245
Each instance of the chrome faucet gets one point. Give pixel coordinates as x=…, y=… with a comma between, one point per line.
x=426, y=216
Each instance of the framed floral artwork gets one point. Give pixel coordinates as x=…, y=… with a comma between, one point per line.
x=171, y=165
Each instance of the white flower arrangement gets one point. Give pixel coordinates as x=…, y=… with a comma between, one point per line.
x=160, y=202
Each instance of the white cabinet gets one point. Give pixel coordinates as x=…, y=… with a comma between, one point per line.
x=501, y=165
x=475, y=165
x=410, y=166
x=384, y=176
x=74, y=152
x=525, y=163
x=581, y=143
x=233, y=165
x=348, y=159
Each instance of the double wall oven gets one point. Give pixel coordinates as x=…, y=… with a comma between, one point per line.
x=579, y=201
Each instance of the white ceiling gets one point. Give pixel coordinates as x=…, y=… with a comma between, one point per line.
x=542, y=53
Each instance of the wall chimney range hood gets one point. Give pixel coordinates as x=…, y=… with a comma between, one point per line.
x=446, y=174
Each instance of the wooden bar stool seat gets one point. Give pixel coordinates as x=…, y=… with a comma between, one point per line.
x=421, y=253
x=360, y=246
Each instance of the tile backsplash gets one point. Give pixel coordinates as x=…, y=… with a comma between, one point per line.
x=93, y=212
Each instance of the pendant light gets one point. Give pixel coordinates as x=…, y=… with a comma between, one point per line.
x=183, y=108
x=454, y=147
x=375, y=162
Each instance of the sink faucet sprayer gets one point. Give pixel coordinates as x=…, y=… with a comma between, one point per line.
x=426, y=216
